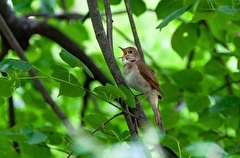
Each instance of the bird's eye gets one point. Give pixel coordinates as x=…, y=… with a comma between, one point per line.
x=130, y=51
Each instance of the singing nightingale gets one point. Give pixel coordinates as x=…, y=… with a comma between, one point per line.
x=141, y=78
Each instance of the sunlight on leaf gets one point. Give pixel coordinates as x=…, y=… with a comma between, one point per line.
x=173, y=15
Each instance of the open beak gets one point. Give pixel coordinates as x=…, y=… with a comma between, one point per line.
x=121, y=48
x=124, y=52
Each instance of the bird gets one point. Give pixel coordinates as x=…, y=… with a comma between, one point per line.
x=141, y=78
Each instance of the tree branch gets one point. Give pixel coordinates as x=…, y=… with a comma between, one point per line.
x=134, y=30
x=108, y=55
x=85, y=98
x=109, y=21
x=17, y=25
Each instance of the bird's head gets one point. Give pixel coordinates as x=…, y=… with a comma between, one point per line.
x=130, y=54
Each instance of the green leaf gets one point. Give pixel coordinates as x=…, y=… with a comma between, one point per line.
x=110, y=92
x=172, y=143
x=203, y=16
x=69, y=85
x=200, y=6
x=73, y=62
x=210, y=120
x=186, y=35
x=115, y=2
x=33, y=137
x=225, y=103
x=171, y=6
x=47, y=6
x=35, y=150
x=229, y=9
x=205, y=149
x=235, y=76
x=69, y=4
x=205, y=35
x=130, y=100
x=53, y=137
x=10, y=65
x=97, y=121
x=138, y=7
x=236, y=42
x=6, y=148
x=173, y=15
x=2, y=101
x=13, y=136
x=36, y=137
x=125, y=135
x=7, y=86
x=198, y=103
x=188, y=79
x=215, y=68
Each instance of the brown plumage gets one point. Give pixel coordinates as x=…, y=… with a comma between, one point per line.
x=141, y=78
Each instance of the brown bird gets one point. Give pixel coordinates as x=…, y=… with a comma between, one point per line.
x=141, y=78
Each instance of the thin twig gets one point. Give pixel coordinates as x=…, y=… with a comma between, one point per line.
x=109, y=21
x=12, y=121
x=223, y=86
x=190, y=58
x=52, y=148
x=85, y=98
x=15, y=45
x=134, y=30
x=100, y=127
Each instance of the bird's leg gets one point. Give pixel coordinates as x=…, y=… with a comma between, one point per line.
x=145, y=96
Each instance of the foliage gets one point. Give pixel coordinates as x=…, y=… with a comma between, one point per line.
x=194, y=52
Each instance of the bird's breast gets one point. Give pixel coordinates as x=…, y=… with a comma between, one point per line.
x=134, y=79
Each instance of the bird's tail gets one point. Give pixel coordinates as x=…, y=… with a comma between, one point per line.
x=154, y=104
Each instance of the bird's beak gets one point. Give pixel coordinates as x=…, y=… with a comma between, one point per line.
x=124, y=52
x=121, y=48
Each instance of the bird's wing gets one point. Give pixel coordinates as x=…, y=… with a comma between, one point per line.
x=149, y=75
